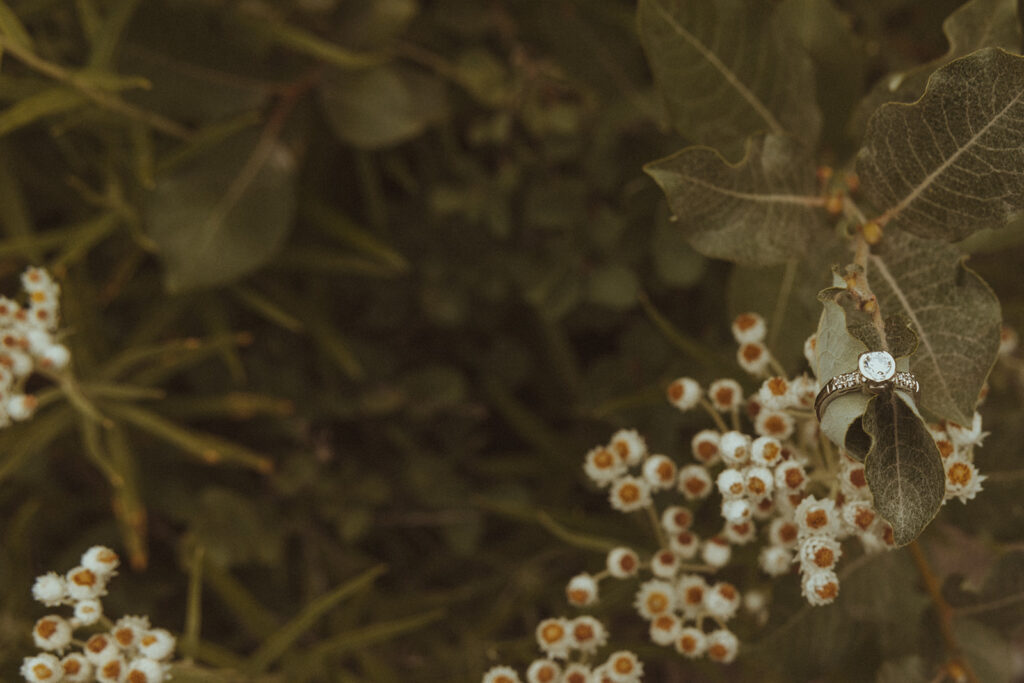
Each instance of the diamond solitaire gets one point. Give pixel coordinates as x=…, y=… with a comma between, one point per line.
x=875, y=373
x=877, y=366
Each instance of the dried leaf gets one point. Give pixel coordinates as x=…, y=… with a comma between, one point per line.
x=903, y=468
x=949, y=164
x=954, y=313
x=726, y=71
x=974, y=25
x=758, y=212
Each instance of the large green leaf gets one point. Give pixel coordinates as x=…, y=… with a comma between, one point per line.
x=949, y=164
x=758, y=212
x=955, y=314
x=382, y=106
x=224, y=213
x=903, y=468
x=726, y=72
x=974, y=25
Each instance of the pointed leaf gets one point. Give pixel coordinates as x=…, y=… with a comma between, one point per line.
x=758, y=212
x=954, y=313
x=903, y=468
x=900, y=339
x=949, y=164
x=974, y=25
x=224, y=213
x=726, y=72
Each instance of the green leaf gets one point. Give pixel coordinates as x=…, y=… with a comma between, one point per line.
x=900, y=339
x=975, y=25
x=954, y=313
x=758, y=212
x=949, y=164
x=224, y=213
x=727, y=72
x=42, y=104
x=903, y=468
x=12, y=28
x=382, y=106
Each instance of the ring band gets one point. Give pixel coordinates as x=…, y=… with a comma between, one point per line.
x=876, y=372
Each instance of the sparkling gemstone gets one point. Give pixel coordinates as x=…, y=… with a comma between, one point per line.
x=877, y=366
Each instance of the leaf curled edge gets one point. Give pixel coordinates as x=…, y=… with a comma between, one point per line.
x=903, y=468
x=949, y=164
x=759, y=212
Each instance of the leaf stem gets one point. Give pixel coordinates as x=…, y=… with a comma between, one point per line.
x=957, y=662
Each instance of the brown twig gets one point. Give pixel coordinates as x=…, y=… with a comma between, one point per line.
x=956, y=664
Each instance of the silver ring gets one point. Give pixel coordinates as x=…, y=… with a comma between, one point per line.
x=876, y=372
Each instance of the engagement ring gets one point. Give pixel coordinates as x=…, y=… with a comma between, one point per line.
x=876, y=372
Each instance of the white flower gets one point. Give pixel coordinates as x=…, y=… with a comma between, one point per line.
x=967, y=436
x=660, y=472
x=790, y=477
x=705, y=446
x=629, y=493
x=501, y=674
x=775, y=560
x=629, y=446
x=816, y=517
x=88, y=612
x=759, y=481
x=111, y=669
x=128, y=630
x=543, y=671
x=676, y=518
x=722, y=646
x=84, y=583
x=50, y=589
x=145, y=670
x=739, y=533
x=43, y=668
x=602, y=466
x=21, y=407
x=157, y=643
x=962, y=479
x=754, y=357
x=99, y=648
x=820, y=588
x=624, y=667
x=654, y=597
x=783, y=532
x=587, y=634
x=553, y=637
x=818, y=553
x=55, y=357
x=775, y=393
x=690, y=590
x=664, y=629
x=722, y=601
x=774, y=423
x=664, y=564
x=578, y=673
x=811, y=352
x=859, y=515
x=725, y=394
x=684, y=544
x=694, y=482
x=77, y=669
x=582, y=590
x=765, y=451
x=101, y=560
x=691, y=642
x=52, y=632
x=730, y=483
x=748, y=327
x=716, y=552
x=622, y=563
x=736, y=510
x=734, y=448
x=684, y=393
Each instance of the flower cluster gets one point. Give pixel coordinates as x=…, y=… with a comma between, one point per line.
x=779, y=482
x=568, y=645
x=126, y=650
x=28, y=343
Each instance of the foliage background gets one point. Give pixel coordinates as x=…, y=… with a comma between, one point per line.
x=357, y=285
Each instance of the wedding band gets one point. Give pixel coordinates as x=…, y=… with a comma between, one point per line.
x=876, y=372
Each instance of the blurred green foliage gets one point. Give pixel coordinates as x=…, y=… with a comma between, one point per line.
x=350, y=287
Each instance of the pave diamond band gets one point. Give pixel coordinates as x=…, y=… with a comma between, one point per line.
x=876, y=371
